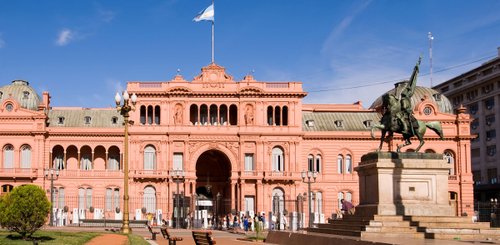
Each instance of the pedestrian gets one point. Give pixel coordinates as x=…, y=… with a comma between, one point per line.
x=347, y=207
x=245, y=223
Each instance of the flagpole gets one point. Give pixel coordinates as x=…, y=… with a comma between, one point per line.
x=213, y=25
x=213, y=41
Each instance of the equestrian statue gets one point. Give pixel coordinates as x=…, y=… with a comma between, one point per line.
x=398, y=115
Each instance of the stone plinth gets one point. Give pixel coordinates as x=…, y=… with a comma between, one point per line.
x=406, y=183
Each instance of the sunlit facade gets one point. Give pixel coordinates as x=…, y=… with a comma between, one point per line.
x=240, y=144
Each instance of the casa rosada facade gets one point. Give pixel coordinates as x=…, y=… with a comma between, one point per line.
x=241, y=145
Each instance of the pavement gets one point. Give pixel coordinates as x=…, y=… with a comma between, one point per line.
x=227, y=238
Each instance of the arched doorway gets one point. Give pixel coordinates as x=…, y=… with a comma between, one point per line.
x=213, y=190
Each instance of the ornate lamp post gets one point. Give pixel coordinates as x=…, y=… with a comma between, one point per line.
x=124, y=110
x=311, y=178
x=177, y=177
x=49, y=174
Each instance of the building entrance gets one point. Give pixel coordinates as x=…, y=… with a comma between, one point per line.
x=213, y=190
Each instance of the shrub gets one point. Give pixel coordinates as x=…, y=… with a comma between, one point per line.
x=24, y=210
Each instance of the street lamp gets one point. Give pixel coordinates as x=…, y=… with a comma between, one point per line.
x=177, y=177
x=311, y=178
x=49, y=173
x=124, y=110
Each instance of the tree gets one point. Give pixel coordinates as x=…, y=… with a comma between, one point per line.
x=24, y=210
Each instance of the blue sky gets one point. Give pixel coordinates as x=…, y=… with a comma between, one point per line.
x=82, y=52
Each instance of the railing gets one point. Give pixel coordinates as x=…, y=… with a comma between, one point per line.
x=18, y=172
x=277, y=85
x=278, y=174
x=148, y=174
x=149, y=85
x=90, y=173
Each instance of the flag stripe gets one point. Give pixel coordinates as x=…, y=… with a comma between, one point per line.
x=206, y=14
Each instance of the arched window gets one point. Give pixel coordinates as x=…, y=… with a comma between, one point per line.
x=278, y=201
x=450, y=159
x=193, y=114
x=213, y=114
x=150, y=199
x=348, y=196
x=112, y=198
x=86, y=162
x=150, y=115
x=348, y=164
x=143, y=115
x=310, y=163
x=84, y=198
x=59, y=162
x=8, y=156
x=6, y=188
x=270, y=120
x=340, y=164
x=278, y=160
x=25, y=156
x=157, y=115
x=233, y=115
x=149, y=158
x=318, y=163
x=204, y=114
x=277, y=116
x=285, y=116
x=223, y=115
x=114, y=162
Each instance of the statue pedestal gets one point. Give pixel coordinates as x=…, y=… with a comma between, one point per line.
x=408, y=183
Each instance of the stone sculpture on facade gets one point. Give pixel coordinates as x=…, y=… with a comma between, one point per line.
x=398, y=114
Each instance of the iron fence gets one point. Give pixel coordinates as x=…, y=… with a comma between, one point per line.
x=488, y=212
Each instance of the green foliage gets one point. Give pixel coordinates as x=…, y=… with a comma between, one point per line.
x=24, y=210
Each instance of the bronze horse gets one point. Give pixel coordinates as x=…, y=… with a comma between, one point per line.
x=390, y=123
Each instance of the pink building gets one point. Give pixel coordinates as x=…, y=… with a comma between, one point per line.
x=247, y=140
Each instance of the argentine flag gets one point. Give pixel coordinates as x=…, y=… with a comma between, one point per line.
x=206, y=14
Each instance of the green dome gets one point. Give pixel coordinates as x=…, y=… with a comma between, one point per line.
x=442, y=102
x=22, y=92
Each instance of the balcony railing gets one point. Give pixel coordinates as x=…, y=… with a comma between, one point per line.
x=148, y=174
x=18, y=172
x=90, y=173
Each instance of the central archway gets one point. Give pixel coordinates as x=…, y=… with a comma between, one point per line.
x=213, y=172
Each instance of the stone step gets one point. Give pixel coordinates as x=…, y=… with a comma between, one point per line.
x=335, y=231
x=390, y=223
x=493, y=232
x=478, y=225
x=447, y=236
x=366, y=234
x=342, y=227
x=387, y=229
x=388, y=218
x=441, y=219
x=351, y=222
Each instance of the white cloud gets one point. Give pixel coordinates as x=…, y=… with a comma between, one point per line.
x=342, y=26
x=105, y=15
x=65, y=36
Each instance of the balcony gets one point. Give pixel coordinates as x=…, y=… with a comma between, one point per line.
x=79, y=173
x=148, y=174
x=18, y=173
x=250, y=174
x=281, y=175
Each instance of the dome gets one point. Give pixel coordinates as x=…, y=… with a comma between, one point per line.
x=22, y=92
x=442, y=102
